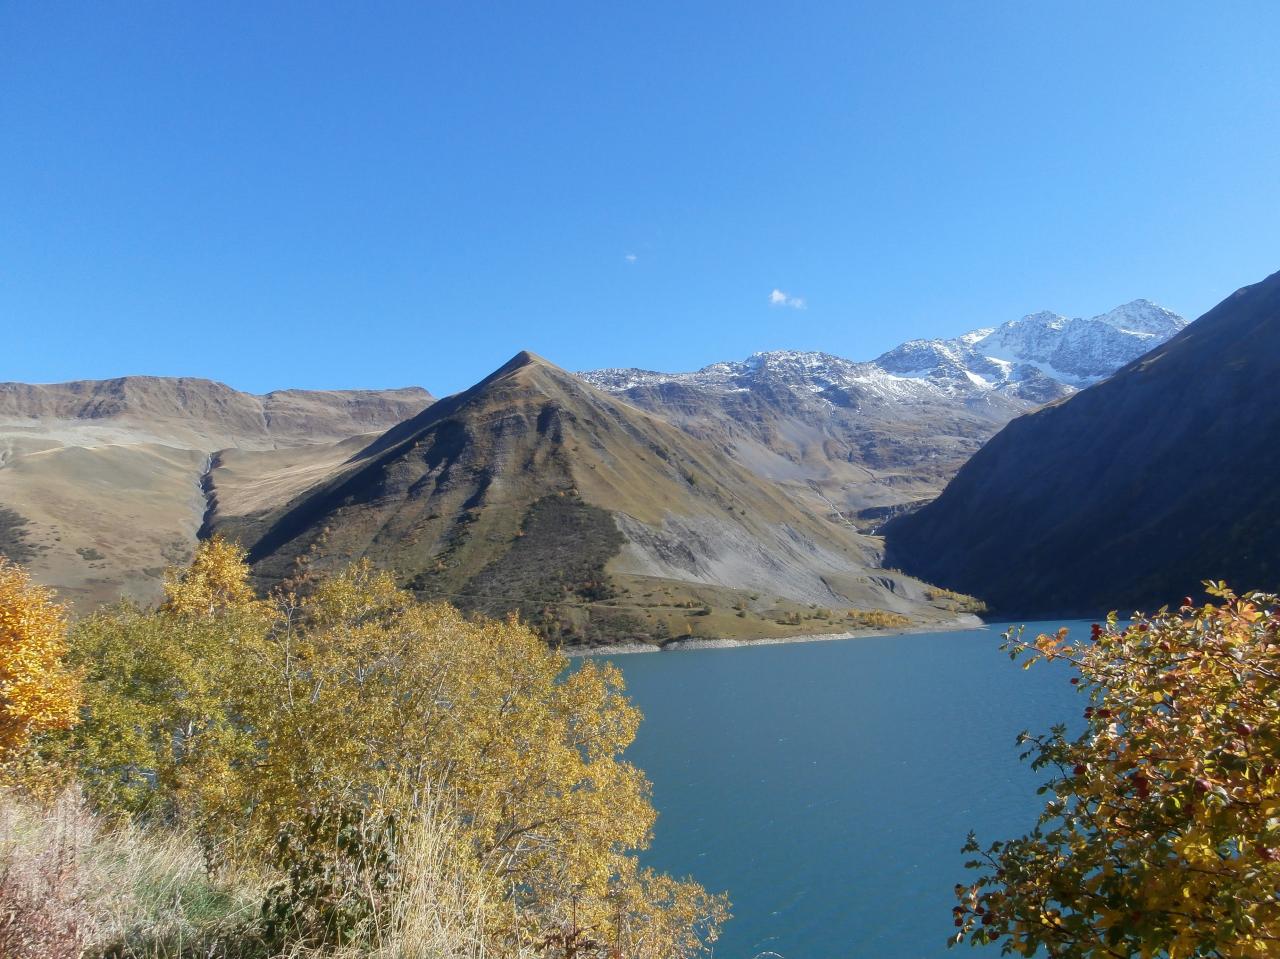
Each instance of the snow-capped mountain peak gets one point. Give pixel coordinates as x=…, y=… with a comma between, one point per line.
x=1033, y=359
x=1080, y=351
x=1143, y=316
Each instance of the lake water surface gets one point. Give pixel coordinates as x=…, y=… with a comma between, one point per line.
x=829, y=786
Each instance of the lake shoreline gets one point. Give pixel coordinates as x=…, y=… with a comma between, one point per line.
x=965, y=621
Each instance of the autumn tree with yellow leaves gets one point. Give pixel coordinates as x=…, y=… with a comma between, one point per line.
x=216, y=580
x=243, y=718
x=170, y=694
x=38, y=693
x=1161, y=836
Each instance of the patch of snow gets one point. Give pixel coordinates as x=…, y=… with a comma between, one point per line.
x=1030, y=360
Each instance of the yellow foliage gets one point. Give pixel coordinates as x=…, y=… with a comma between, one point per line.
x=878, y=618
x=957, y=602
x=1162, y=836
x=167, y=692
x=237, y=715
x=216, y=579
x=38, y=693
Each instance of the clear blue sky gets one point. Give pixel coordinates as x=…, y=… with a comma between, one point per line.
x=342, y=195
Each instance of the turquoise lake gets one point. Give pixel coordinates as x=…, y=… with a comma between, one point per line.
x=829, y=786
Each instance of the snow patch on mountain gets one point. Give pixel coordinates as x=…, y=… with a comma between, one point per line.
x=1079, y=352
x=1032, y=360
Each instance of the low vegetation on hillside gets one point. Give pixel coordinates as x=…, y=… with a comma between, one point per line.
x=1161, y=834
x=14, y=542
x=957, y=602
x=349, y=772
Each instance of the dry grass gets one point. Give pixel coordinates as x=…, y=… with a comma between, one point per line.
x=437, y=909
x=440, y=910
x=43, y=914
x=72, y=887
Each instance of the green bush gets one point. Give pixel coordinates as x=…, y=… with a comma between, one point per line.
x=341, y=863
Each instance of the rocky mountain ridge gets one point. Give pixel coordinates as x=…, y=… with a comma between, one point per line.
x=105, y=482
x=869, y=439
x=1033, y=359
x=193, y=413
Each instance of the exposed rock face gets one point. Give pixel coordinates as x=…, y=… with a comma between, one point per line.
x=1080, y=352
x=1130, y=493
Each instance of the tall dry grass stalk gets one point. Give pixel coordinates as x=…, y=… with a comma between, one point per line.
x=70, y=886
x=440, y=907
x=43, y=891
x=437, y=907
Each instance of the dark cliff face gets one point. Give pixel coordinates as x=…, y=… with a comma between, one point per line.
x=1131, y=493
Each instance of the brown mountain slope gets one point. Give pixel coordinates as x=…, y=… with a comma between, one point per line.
x=102, y=483
x=856, y=450
x=1131, y=493
x=192, y=413
x=534, y=491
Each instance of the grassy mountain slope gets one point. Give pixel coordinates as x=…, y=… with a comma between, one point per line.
x=103, y=483
x=534, y=491
x=1130, y=493
x=104, y=521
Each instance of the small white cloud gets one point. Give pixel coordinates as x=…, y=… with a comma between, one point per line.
x=631, y=257
x=778, y=298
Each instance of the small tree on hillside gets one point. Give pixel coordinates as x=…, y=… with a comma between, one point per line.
x=217, y=579
x=1161, y=836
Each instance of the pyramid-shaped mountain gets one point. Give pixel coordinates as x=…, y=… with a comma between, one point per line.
x=535, y=492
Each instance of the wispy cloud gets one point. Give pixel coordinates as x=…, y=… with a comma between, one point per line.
x=631, y=257
x=779, y=298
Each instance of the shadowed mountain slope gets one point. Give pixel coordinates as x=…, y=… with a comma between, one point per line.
x=1129, y=493
x=537, y=492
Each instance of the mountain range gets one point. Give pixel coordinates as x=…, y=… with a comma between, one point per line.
x=1128, y=494
x=1038, y=357
x=869, y=439
x=598, y=522
x=614, y=505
